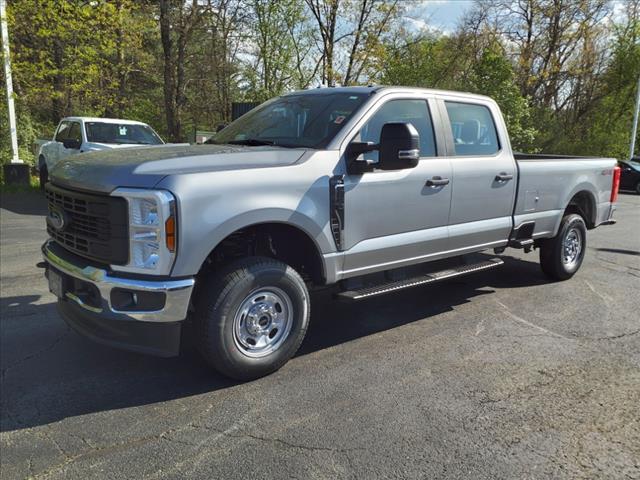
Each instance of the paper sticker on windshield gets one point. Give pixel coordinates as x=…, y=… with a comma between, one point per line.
x=123, y=130
x=339, y=119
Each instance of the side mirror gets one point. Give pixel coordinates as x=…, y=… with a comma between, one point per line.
x=399, y=146
x=71, y=143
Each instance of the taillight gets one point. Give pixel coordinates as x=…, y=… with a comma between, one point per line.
x=615, y=185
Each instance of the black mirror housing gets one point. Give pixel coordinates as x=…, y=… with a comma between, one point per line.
x=71, y=143
x=399, y=146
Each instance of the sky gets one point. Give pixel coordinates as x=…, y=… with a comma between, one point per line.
x=442, y=15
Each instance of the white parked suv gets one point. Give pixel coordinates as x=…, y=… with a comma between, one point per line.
x=86, y=134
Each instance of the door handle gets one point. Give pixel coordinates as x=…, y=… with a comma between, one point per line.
x=503, y=177
x=437, y=182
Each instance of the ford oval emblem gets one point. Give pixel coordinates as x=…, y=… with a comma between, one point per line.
x=56, y=219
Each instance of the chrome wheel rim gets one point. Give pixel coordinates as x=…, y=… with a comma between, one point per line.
x=572, y=247
x=263, y=322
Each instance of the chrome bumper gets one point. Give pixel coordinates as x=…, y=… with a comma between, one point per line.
x=178, y=292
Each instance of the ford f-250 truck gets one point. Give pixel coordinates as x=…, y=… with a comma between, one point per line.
x=369, y=189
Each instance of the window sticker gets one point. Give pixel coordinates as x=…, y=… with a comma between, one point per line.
x=123, y=130
x=339, y=119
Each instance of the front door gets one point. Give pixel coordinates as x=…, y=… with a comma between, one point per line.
x=75, y=133
x=394, y=218
x=61, y=135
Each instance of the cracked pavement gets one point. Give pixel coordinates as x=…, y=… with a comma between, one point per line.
x=501, y=374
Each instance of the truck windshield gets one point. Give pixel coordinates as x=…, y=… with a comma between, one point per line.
x=121, y=133
x=301, y=120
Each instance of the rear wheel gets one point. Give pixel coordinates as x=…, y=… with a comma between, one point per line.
x=638, y=188
x=562, y=255
x=251, y=318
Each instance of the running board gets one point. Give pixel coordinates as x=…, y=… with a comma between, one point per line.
x=419, y=280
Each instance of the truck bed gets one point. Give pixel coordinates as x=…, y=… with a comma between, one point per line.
x=542, y=193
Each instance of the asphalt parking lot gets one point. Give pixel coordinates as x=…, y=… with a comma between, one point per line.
x=497, y=375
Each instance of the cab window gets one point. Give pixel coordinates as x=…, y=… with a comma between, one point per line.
x=63, y=131
x=415, y=112
x=473, y=129
x=75, y=133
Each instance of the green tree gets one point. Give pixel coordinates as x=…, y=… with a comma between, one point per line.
x=280, y=36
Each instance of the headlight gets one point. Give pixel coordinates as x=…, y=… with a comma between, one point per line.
x=152, y=230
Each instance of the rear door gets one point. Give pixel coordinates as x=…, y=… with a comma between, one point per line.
x=393, y=218
x=484, y=174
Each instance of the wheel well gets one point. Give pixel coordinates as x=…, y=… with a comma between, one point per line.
x=281, y=241
x=584, y=205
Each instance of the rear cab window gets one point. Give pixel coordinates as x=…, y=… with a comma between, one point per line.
x=473, y=129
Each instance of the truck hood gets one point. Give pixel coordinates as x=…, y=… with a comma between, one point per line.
x=144, y=167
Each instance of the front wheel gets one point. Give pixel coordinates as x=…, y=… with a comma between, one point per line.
x=44, y=176
x=251, y=318
x=562, y=255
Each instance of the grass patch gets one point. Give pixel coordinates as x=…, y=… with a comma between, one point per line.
x=34, y=186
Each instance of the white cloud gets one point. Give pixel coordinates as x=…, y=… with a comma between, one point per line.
x=437, y=15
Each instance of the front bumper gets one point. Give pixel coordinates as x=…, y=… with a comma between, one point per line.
x=139, y=315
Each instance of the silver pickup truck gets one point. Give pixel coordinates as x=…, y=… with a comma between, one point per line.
x=368, y=189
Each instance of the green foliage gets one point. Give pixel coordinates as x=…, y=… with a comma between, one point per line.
x=78, y=58
x=278, y=45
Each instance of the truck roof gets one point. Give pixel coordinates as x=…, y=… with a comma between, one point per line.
x=103, y=120
x=380, y=88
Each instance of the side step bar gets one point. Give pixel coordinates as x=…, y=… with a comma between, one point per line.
x=433, y=277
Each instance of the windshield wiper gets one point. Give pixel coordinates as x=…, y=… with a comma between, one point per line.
x=251, y=142
x=254, y=142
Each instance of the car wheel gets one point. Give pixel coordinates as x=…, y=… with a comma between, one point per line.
x=44, y=176
x=251, y=318
x=562, y=255
x=638, y=188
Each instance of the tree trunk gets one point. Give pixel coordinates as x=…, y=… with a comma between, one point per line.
x=57, y=102
x=121, y=68
x=173, y=129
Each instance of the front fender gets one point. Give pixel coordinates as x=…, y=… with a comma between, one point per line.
x=199, y=241
x=44, y=155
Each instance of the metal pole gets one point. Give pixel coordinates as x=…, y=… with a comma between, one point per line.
x=634, y=133
x=8, y=82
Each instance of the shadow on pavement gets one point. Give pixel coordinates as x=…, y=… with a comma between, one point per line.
x=24, y=203
x=621, y=251
x=49, y=373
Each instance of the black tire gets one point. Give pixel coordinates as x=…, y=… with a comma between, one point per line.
x=219, y=300
x=552, y=251
x=44, y=176
x=638, y=188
